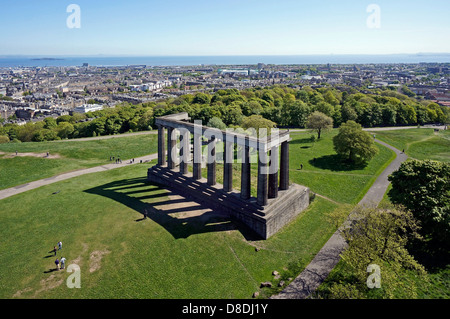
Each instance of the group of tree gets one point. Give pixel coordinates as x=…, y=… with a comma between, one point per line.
x=286, y=106
x=391, y=247
x=109, y=121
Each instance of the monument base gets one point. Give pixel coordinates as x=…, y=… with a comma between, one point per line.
x=265, y=221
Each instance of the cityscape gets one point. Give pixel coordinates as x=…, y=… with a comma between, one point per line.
x=32, y=93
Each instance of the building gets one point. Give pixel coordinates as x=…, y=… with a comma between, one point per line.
x=87, y=108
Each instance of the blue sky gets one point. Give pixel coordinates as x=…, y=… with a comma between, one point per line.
x=227, y=27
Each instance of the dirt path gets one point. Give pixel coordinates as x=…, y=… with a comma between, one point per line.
x=4, y=193
x=41, y=155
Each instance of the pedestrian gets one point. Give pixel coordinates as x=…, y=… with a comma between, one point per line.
x=47, y=154
x=16, y=153
x=301, y=166
x=57, y=264
x=63, y=262
x=59, y=245
x=145, y=213
x=403, y=151
x=54, y=250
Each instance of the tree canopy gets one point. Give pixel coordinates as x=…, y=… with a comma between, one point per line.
x=354, y=143
x=319, y=122
x=424, y=188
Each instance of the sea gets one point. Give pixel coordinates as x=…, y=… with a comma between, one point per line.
x=67, y=61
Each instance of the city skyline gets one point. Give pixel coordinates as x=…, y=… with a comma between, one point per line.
x=180, y=28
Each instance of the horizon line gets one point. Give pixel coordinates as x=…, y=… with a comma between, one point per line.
x=217, y=55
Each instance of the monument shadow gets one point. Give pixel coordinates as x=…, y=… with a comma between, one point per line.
x=152, y=202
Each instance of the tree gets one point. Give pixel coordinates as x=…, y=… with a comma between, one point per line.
x=4, y=139
x=378, y=237
x=216, y=123
x=50, y=123
x=65, y=129
x=201, y=98
x=354, y=143
x=424, y=188
x=319, y=122
x=257, y=122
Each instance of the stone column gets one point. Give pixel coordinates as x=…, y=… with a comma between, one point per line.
x=161, y=146
x=284, y=166
x=245, y=171
x=185, y=152
x=211, y=165
x=197, y=164
x=228, y=165
x=262, y=194
x=273, y=173
x=171, y=144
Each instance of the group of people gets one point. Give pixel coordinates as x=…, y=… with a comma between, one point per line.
x=117, y=160
x=60, y=263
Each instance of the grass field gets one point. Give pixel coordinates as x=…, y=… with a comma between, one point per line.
x=161, y=257
x=172, y=254
x=419, y=143
x=74, y=155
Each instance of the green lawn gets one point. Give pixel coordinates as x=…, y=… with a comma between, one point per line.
x=419, y=143
x=325, y=173
x=161, y=257
x=74, y=155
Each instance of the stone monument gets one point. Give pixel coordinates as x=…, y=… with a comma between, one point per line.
x=277, y=202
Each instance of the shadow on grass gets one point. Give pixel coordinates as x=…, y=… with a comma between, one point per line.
x=179, y=219
x=335, y=162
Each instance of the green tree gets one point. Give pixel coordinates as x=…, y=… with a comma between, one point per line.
x=298, y=113
x=216, y=123
x=65, y=130
x=354, y=143
x=319, y=122
x=257, y=122
x=4, y=139
x=201, y=98
x=378, y=237
x=424, y=188
x=50, y=123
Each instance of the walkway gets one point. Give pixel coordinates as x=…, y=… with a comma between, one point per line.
x=4, y=193
x=327, y=258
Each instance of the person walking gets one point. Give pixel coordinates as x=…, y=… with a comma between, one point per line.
x=63, y=262
x=57, y=264
x=54, y=250
x=59, y=245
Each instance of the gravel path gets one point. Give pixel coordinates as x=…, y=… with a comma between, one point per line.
x=4, y=193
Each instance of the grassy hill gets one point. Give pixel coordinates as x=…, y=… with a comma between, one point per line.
x=178, y=252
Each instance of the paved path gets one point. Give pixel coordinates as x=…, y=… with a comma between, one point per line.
x=327, y=258
x=46, y=181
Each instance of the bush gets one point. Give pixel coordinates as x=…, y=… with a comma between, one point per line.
x=4, y=139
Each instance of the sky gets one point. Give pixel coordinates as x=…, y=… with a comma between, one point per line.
x=224, y=27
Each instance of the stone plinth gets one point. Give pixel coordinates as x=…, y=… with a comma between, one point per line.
x=263, y=220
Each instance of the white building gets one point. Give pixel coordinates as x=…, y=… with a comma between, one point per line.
x=88, y=108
